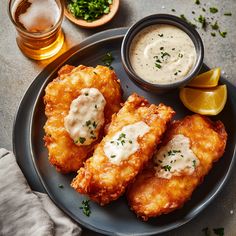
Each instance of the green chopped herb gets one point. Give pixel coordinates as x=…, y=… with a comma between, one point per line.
x=86, y=94
x=213, y=34
x=160, y=35
x=113, y=156
x=122, y=142
x=202, y=20
x=173, y=49
x=223, y=34
x=88, y=122
x=89, y=10
x=193, y=12
x=161, y=48
x=95, y=73
x=180, y=55
x=194, y=163
x=130, y=141
x=166, y=167
x=96, y=106
x=176, y=73
x=197, y=2
x=203, y=9
x=81, y=140
x=213, y=10
x=158, y=66
x=173, y=10
x=219, y=231
x=86, y=207
x=108, y=59
x=122, y=135
x=112, y=142
x=215, y=26
x=182, y=155
x=60, y=186
x=94, y=125
x=227, y=14
x=164, y=54
x=206, y=231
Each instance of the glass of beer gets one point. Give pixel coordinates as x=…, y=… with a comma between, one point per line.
x=38, y=25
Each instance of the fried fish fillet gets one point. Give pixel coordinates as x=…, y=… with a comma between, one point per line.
x=63, y=153
x=104, y=181
x=152, y=195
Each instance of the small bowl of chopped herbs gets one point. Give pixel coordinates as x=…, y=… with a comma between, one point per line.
x=91, y=13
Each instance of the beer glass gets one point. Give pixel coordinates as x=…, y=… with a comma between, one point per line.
x=38, y=26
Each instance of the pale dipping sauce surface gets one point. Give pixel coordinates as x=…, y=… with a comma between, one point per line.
x=162, y=54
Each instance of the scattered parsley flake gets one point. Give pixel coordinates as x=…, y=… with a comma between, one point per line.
x=60, y=186
x=161, y=48
x=227, y=14
x=108, y=59
x=213, y=10
x=86, y=94
x=88, y=122
x=197, y=2
x=86, y=207
x=203, y=9
x=223, y=34
x=173, y=10
x=160, y=35
x=219, y=231
x=213, y=34
x=113, y=156
x=193, y=12
x=215, y=26
x=158, y=66
x=194, y=163
x=94, y=125
x=112, y=142
x=176, y=73
x=81, y=140
x=180, y=55
x=202, y=20
x=130, y=141
x=166, y=167
x=96, y=106
x=173, y=49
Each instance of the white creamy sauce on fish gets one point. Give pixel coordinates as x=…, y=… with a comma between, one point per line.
x=162, y=54
x=86, y=116
x=175, y=158
x=125, y=142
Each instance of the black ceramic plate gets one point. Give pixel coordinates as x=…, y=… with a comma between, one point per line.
x=115, y=218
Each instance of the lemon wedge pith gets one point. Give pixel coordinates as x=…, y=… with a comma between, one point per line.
x=207, y=79
x=204, y=101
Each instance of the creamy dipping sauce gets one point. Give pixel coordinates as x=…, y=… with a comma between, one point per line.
x=86, y=116
x=175, y=158
x=125, y=142
x=162, y=54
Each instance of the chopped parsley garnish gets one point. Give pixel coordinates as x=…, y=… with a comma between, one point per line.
x=202, y=20
x=176, y=73
x=213, y=34
x=173, y=152
x=166, y=167
x=173, y=49
x=81, y=140
x=215, y=26
x=96, y=106
x=223, y=34
x=108, y=59
x=173, y=10
x=213, y=10
x=86, y=207
x=113, y=156
x=219, y=231
x=160, y=35
x=227, y=14
x=193, y=12
x=180, y=55
x=203, y=9
x=130, y=141
x=95, y=73
x=86, y=94
x=206, y=231
x=89, y=10
x=88, y=122
x=94, y=125
x=194, y=163
x=122, y=135
x=161, y=48
x=197, y=2
x=158, y=65
x=164, y=54
x=60, y=186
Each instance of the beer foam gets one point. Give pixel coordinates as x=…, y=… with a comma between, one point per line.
x=40, y=16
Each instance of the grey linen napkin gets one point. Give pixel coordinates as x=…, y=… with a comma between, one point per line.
x=24, y=212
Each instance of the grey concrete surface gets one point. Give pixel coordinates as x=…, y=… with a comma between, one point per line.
x=17, y=72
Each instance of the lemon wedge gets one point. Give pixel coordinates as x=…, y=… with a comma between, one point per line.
x=204, y=101
x=208, y=79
